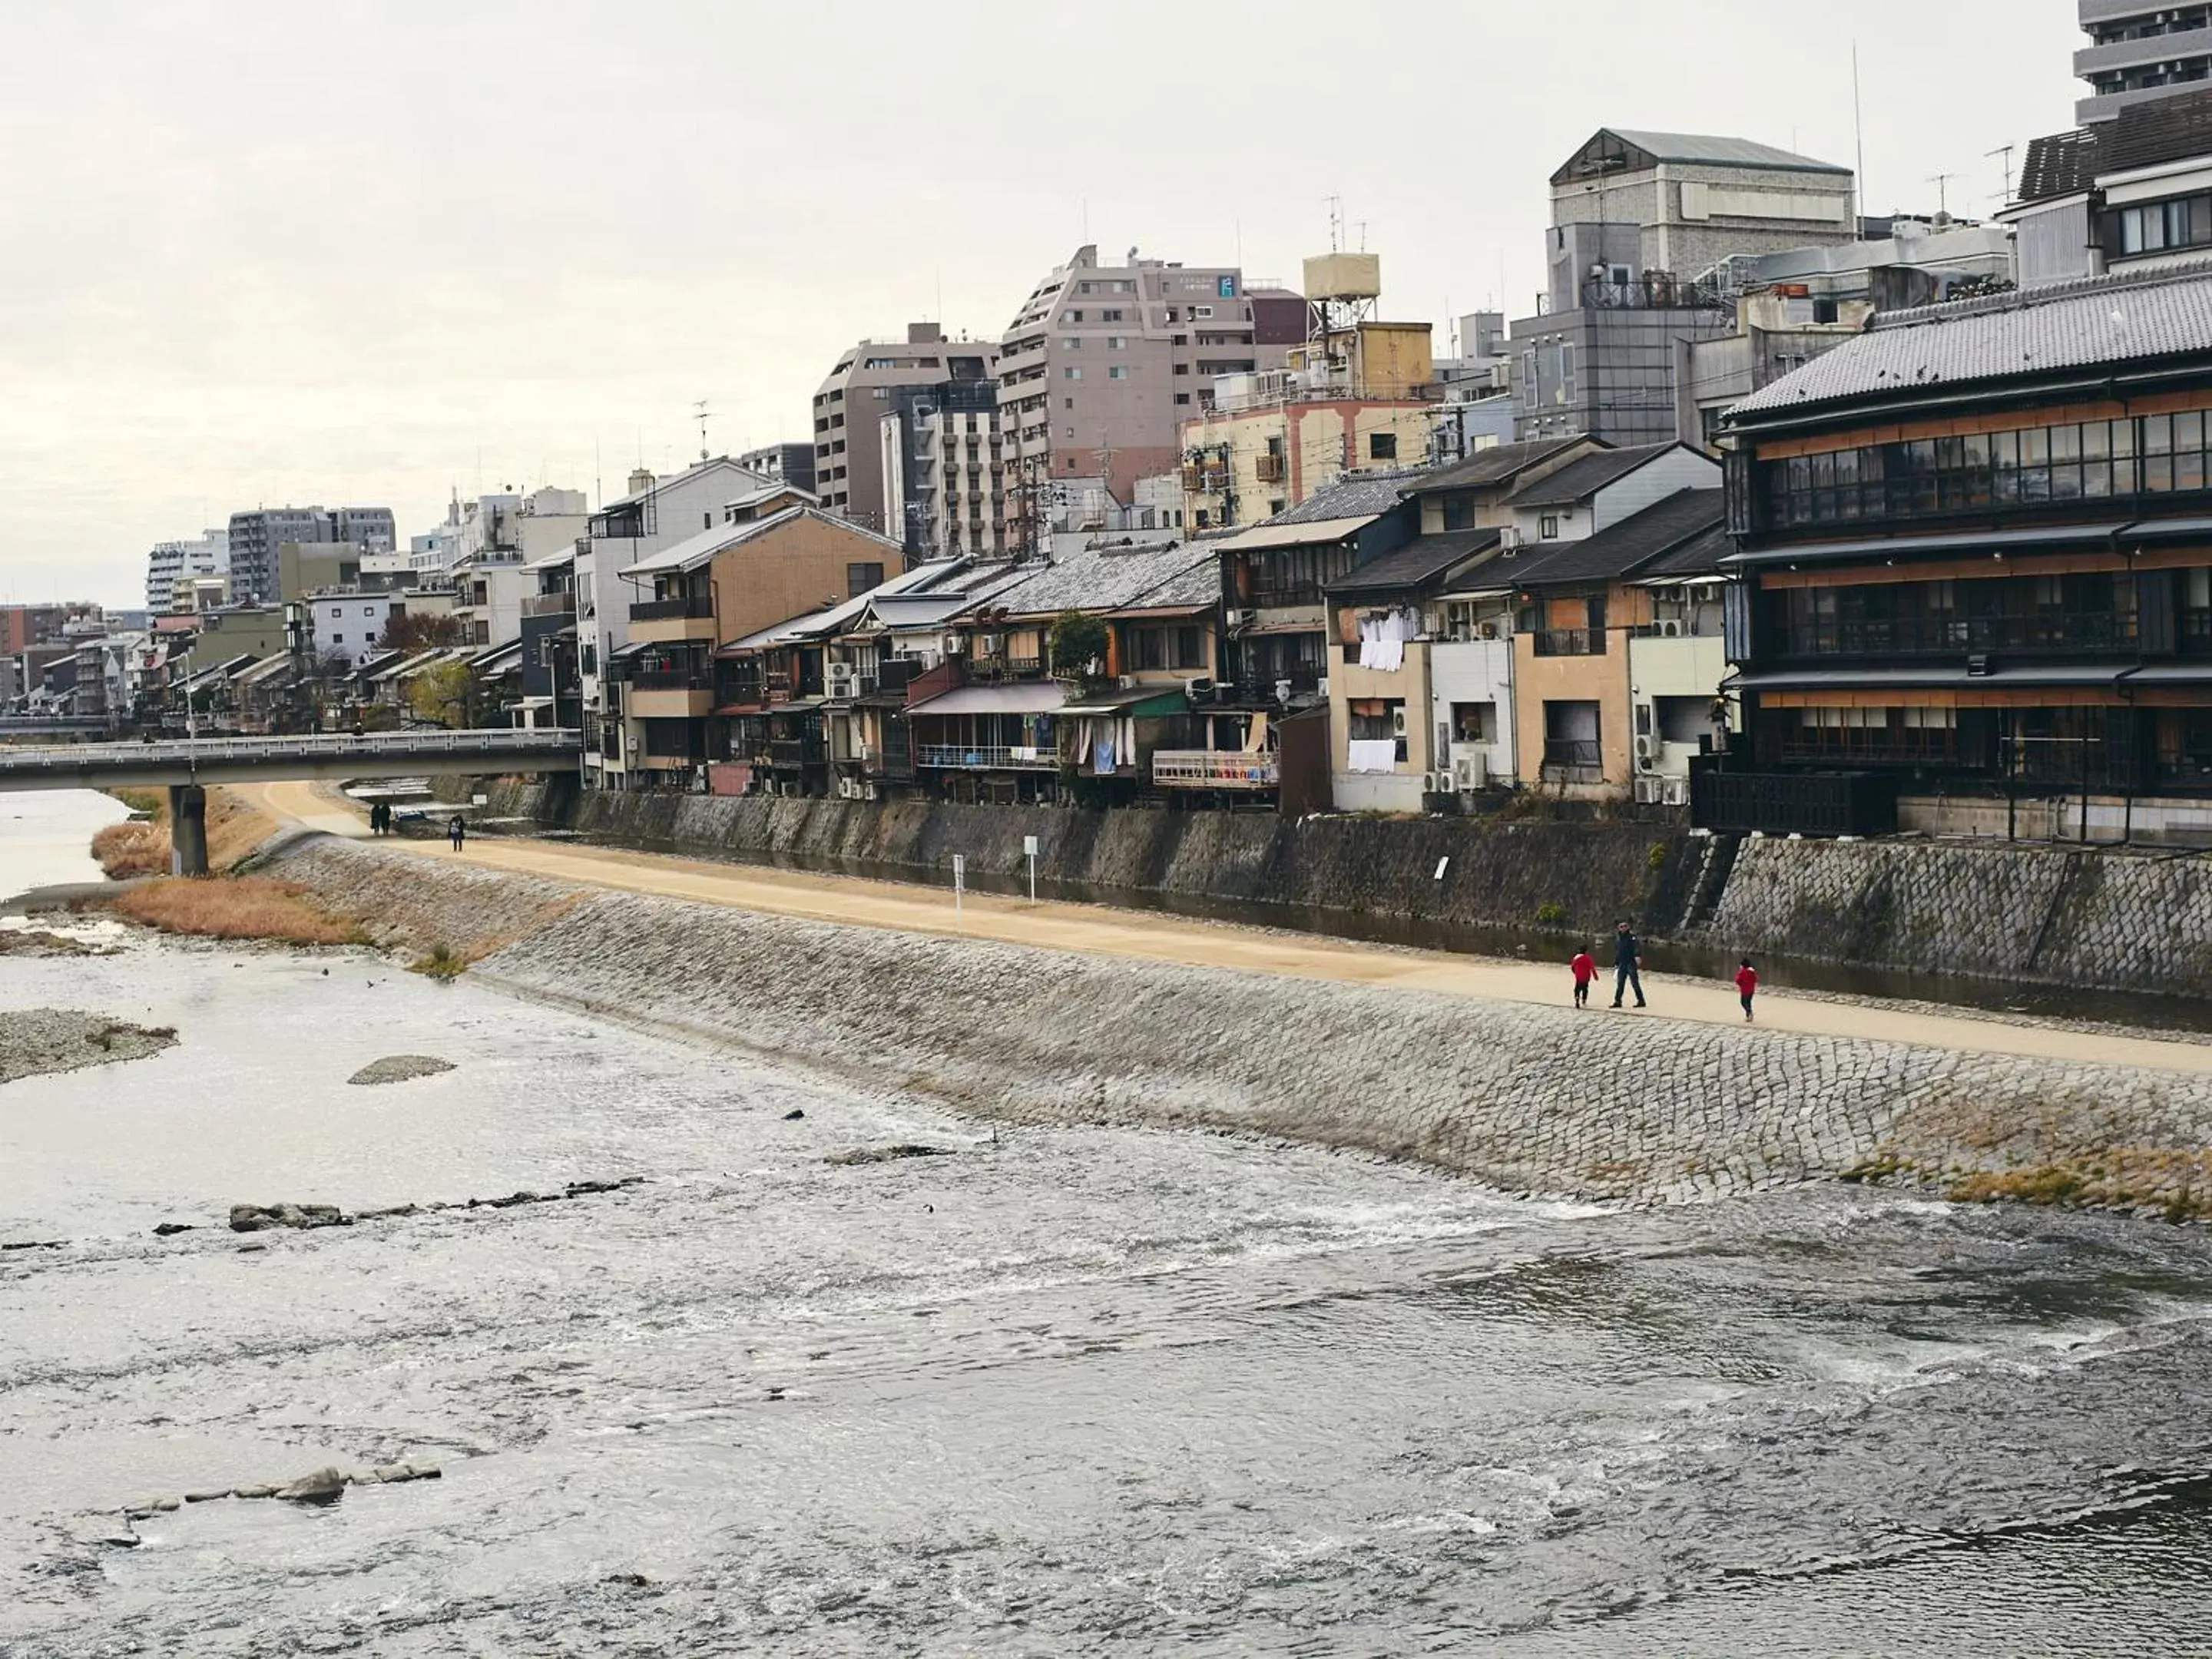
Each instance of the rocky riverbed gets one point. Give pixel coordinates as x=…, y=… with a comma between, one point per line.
x=34, y=1041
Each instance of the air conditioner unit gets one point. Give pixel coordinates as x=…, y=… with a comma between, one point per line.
x=841, y=680
x=1509, y=539
x=869, y=791
x=1647, y=749
x=1647, y=791
x=1674, y=791
x=1398, y=721
x=956, y=645
x=1472, y=771
x=1239, y=619
x=1198, y=689
x=1429, y=783
x=848, y=788
x=1486, y=631
x=1447, y=784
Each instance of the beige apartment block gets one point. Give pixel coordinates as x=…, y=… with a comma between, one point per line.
x=1103, y=363
x=852, y=401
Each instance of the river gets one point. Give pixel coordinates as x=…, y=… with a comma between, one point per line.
x=1053, y=1392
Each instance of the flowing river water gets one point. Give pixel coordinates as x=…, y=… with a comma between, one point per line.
x=1052, y=1392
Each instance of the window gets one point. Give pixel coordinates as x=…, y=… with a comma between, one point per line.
x=1547, y=527
x=1182, y=397
x=1573, y=747
x=860, y=577
x=1274, y=506
x=1070, y=432
x=1459, y=512
x=1109, y=316
x=1182, y=368
x=1382, y=446
x=1072, y=373
x=1119, y=372
x=1190, y=648
x=1067, y=403
x=1071, y=344
x=1117, y=342
x=1071, y=316
x=706, y=521
x=1474, y=722
x=1379, y=719
x=1202, y=311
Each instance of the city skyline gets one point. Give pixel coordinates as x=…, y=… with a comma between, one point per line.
x=531, y=240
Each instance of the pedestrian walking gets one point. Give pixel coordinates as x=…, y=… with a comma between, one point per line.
x=1627, y=961
x=1585, y=968
x=1746, y=985
x=459, y=830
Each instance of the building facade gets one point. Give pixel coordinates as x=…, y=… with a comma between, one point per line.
x=2140, y=54
x=853, y=399
x=1102, y=363
x=171, y=562
x=791, y=464
x=1645, y=228
x=256, y=538
x=1974, y=569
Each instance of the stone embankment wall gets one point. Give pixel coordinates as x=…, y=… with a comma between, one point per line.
x=2111, y=920
x=1529, y=1098
x=1496, y=873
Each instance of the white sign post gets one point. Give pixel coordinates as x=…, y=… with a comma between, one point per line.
x=959, y=880
x=1030, y=847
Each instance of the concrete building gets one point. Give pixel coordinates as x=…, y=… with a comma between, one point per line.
x=945, y=471
x=1794, y=306
x=171, y=563
x=657, y=513
x=1645, y=226
x=858, y=391
x=1102, y=364
x=791, y=464
x=2139, y=54
x=257, y=536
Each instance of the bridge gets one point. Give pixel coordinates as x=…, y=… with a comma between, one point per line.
x=187, y=767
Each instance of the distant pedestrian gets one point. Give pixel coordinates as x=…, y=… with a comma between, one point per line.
x=459, y=830
x=1746, y=985
x=1585, y=968
x=1627, y=961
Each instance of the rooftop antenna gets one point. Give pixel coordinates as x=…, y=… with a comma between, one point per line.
x=1858, y=126
x=1335, y=223
x=1942, y=182
x=700, y=416
x=2005, y=150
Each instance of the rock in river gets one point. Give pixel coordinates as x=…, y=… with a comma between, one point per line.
x=260, y=1217
x=400, y=1068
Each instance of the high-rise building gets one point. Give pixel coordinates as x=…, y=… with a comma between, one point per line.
x=851, y=403
x=790, y=463
x=256, y=537
x=944, y=471
x=171, y=563
x=2139, y=53
x=1647, y=230
x=1102, y=363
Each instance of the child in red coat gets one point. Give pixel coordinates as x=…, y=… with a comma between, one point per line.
x=1585, y=968
x=1746, y=985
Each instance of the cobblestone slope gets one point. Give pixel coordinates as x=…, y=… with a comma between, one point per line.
x=1525, y=1097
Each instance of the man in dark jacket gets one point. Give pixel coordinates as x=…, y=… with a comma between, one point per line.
x=1627, y=958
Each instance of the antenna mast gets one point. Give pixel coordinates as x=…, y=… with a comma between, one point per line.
x=700, y=416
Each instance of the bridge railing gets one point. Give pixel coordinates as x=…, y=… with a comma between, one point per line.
x=492, y=744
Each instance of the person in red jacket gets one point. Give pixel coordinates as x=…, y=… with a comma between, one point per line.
x=1746, y=985
x=1585, y=968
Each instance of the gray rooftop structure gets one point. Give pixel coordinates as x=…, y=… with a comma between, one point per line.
x=2028, y=337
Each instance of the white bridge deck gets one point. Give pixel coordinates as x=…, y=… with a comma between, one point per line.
x=324, y=754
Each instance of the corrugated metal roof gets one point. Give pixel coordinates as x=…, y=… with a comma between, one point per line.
x=1585, y=476
x=1624, y=549
x=2062, y=164
x=2090, y=325
x=1272, y=534
x=1018, y=698
x=2177, y=127
x=1104, y=579
x=1355, y=496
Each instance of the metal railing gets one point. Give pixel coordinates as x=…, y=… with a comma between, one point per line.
x=548, y=604
x=671, y=679
x=1571, y=643
x=2079, y=630
x=687, y=609
x=1214, y=768
x=986, y=757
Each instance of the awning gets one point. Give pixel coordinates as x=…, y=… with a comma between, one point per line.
x=1136, y=701
x=2035, y=539
x=624, y=653
x=1949, y=677
x=1022, y=698
x=1262, y=536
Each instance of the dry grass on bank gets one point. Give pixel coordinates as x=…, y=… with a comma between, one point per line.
x=235, y=828
x=237, y=908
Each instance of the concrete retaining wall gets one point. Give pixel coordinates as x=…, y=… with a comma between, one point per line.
x=1536, y=1098
x=2115, y=921
x=1497, y=873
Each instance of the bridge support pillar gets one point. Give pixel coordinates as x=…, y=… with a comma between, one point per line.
x=188, y=829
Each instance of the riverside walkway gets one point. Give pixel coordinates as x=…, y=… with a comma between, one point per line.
x=1149, y=936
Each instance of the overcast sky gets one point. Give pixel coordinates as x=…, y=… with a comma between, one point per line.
x=363, y=252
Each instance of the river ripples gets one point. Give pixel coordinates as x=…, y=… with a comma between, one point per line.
x=1052, y=1392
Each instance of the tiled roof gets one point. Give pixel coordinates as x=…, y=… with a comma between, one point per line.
x=1419, y=561
x=1710, y=150
x=1497, y=465
x=1355, y=496
x=1108, y=578
x=1624, y=549
x=2174, y=128
x=2063, y=164
x=2073, y=325
x=1584, y=476
x=1700, y=556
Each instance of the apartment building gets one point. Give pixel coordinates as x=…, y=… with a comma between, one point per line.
x=2140, y=54
x=1102, y=363
x=2132, y=194
x=171, y=562
x=791, y=464
x=945, y=471
x=1645, y=227
x=853, y=399
x=256, y=537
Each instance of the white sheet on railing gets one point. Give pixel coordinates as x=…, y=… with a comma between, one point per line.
x=1373, y=755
